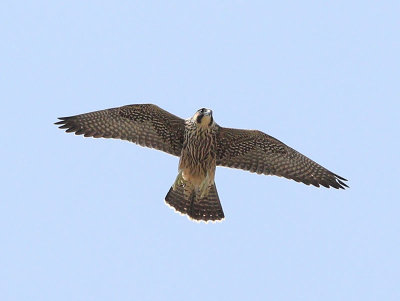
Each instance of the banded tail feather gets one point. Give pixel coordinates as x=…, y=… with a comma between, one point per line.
x=207, y=208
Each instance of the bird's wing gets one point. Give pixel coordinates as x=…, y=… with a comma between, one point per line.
x=258, y=152
x=144, y=124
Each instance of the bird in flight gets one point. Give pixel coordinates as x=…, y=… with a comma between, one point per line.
x=202, y=145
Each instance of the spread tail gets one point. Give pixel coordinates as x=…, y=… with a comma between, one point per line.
x=206, y=208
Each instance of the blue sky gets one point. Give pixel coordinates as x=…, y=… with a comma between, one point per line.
x=84, y=219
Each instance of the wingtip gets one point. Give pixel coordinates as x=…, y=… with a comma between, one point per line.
x=336, y=182
x=340, y=178
x=61, y=120
x=341, y=182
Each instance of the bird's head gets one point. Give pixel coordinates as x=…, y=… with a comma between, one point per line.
x=203, y=118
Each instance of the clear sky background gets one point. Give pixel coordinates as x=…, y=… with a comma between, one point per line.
x=85, y=219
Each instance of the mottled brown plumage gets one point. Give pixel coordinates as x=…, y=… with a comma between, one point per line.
x=258, y=152
x=201, y=145
x=144, y=124
x=205, y=209
x=194, y=189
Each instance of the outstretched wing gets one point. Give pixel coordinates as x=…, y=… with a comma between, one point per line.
x=144, y=124
x=258, y=152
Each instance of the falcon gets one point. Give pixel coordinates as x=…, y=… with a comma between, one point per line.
x=202, y=145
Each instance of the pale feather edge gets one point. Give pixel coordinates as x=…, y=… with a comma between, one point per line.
x=192, y=219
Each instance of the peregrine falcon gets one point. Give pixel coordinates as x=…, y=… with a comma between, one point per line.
x=201, y=144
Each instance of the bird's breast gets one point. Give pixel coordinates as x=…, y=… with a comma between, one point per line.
x=198, y=157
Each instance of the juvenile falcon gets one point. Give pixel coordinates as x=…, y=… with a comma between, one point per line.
x=201, y=145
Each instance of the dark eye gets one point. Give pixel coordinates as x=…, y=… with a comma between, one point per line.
x=202, y=110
